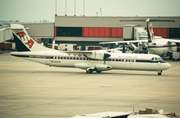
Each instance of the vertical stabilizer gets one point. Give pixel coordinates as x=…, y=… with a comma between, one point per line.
x=23, y=41
x=150, y=31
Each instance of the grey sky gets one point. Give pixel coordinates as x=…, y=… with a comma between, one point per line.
x=36, y=10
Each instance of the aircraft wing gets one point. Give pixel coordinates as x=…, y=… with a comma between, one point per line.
x=95, y=54
x=124, y=42
x=174, y=41
x=79, y=53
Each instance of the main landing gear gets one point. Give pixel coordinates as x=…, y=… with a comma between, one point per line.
x=159, y=72
x=91, y=70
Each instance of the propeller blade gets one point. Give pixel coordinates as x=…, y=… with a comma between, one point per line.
x=106, y=55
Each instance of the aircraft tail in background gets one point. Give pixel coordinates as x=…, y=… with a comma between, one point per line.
x=150, y=31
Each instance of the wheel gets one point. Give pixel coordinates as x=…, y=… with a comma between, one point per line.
x=89, y=71
x=159, y=72
x=98, y=71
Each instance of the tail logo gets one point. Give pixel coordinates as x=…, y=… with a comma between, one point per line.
x=29, y=42
x=151, y=32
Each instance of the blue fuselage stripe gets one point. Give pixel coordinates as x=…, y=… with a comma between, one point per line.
x=85, y=58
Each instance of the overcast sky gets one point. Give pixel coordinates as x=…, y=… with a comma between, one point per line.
x=38, y=10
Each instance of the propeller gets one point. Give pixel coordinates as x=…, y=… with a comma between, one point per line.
x=131, y=48
x=144, y=47
x=106, y=55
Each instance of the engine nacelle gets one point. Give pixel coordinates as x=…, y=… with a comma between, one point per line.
x=100, y=54
x=144, y=47
x=98, y=67
x=133, y=48
x=102, y=67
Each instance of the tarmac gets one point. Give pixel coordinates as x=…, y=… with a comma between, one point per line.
x=32, y=90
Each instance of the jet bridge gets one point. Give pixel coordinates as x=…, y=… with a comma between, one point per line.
x=140, y=33
x=134, y=32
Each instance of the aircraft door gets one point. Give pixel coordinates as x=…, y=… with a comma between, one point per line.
x=131, y=61
x=48, y=60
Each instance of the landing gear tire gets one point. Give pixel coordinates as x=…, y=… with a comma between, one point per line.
x=98, y=71
x=89, y=71
x=159, y=72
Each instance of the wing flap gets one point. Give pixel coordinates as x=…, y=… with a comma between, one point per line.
x=173, y=41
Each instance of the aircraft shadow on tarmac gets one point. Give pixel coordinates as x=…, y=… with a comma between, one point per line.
x=130, y=73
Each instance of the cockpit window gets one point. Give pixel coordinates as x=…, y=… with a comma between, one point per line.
x=160, y=59
x=157, y=59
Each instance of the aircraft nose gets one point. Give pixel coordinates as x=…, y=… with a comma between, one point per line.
x=168, y=65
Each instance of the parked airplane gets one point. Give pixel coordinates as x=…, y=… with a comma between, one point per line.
x=88, y=60
x=155, y=45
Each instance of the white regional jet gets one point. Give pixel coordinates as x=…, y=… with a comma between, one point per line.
x=88, y=60
x=156, y=45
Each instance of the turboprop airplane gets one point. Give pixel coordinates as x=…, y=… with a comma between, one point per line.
x=88, y=60
x=154, y=44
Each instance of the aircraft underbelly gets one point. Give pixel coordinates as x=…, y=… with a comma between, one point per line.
x=71, y=63
x=130, y=66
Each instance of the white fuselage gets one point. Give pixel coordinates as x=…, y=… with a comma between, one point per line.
x=116, y=61
x=161, y=47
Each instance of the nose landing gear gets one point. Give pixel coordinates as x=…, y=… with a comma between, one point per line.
x=159, y=72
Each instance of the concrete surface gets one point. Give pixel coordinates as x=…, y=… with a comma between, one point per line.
x=32, y=90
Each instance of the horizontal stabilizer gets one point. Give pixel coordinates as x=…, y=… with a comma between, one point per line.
x=18, y=27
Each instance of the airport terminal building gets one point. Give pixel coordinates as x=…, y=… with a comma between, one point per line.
x=89, y=31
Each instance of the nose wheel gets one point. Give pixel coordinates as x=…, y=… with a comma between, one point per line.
x=159, y=72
